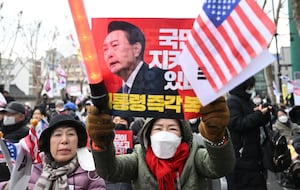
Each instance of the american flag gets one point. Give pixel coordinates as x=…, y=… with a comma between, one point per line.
x=226, y=36
x=28, y=154
x=30, y=144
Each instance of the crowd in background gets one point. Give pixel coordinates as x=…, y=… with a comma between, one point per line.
x=283, y=117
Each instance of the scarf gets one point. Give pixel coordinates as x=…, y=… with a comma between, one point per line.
x=54, y=175
x=166, y=170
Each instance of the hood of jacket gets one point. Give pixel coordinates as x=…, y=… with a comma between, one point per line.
x=240, y=90
x=144, y=134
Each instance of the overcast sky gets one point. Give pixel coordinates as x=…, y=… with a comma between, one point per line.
x=56, y=13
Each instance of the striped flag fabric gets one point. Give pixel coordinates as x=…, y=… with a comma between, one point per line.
x=226, y=36
x=30, y=143
x=27, y=154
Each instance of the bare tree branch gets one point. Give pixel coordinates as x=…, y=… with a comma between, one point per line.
x=268, y=70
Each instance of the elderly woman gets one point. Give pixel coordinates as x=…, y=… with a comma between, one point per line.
x=63, y=144
x=168, y=158
x=60, y=168
x=65, y=163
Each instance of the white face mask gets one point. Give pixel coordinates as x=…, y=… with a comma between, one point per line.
x=164, y=144
x=283, y=119
x=250, y=91
x=257, y=101
x=9, y=120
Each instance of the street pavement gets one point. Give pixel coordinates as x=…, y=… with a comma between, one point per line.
x=274, y=185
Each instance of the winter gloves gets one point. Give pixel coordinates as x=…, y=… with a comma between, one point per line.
x=99, y=127
x=215, y=118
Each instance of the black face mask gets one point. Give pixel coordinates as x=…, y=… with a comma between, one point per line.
x=120, y=126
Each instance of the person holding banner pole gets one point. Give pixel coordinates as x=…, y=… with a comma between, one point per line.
x=167, y=157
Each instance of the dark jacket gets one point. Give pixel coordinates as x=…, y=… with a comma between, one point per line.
x=149, y=81
x=16, y=132
x=202, y=163
x=13, y=134
x=152, y=81
x=244, y=127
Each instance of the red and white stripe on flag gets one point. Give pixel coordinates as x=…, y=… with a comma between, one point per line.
x=30, y=144
x=222, y=50
x=27, y=154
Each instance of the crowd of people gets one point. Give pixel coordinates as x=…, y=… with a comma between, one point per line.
x=62, y=132
x=165, y=155
x=76, y=147
x=249, y=114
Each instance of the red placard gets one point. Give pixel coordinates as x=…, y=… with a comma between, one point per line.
x=165, y=39
x=123, y=141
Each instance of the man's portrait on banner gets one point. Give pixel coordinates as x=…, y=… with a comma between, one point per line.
x=142, y=72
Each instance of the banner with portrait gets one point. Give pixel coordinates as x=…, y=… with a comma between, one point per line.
x=165, y=38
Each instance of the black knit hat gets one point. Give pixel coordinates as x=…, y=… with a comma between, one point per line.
x=62, y=120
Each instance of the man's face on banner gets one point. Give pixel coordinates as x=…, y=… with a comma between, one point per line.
x=119, y=55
